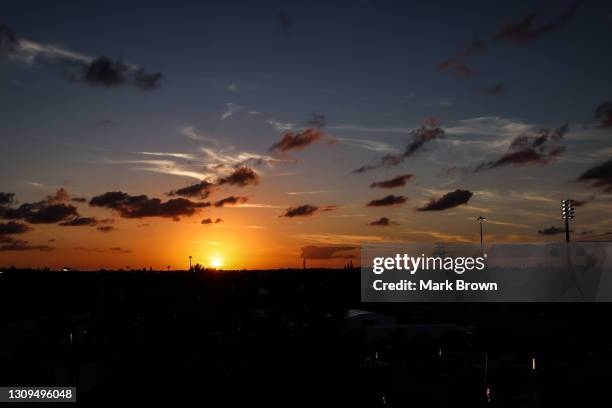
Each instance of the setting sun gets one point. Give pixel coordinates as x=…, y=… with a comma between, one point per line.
x=216, y=262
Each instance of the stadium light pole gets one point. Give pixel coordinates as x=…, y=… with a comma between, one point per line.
x=480, y=219
x=567, y=212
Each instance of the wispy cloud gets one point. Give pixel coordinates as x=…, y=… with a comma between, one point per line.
x=295, y=193
x=165, y=167
x=371, y=129
x=366, y=144
x=230, y=110
x=190, y=132
x=281, y=127
x=335, y=239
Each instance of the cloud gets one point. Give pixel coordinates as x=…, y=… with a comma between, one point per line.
x=8, y=41
x=448, y=200
x=284, y=21
x=599, y=176
x=306, y=210
x=551, y=231
x=41, y=213
x=366, y=144
x=231, y=200
x=298, y=140
x=97, y=71
x=603, y=115
x=142, y=206
x=389, y=200
x=106, y=228
x=242, y=176
x=495, y=90
x=79, y=200
x=217, y=157
x=420, y=137
x=397, y=181
x=18, y=245
x=60, y=196
x=527, y=30
x=316, y=120
x=199, y=190
x=309, y=192
x=106, y=72
x=190, y=132
x=328, y=252
x=475, y=46
x=383, y=222
x=210, y=221
x=526, y=149
x=280, y=126
x=6, y=198
x=230, y=110
x=80, y=222
x=12, y=227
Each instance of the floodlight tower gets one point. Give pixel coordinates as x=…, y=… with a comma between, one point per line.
x=567, y=213
x=480, y=219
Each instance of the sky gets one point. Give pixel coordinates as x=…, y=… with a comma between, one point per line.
x=252, y=134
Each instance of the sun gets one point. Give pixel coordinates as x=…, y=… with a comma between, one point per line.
x=216, y=262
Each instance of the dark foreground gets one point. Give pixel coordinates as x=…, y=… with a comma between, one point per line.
x=297, y=338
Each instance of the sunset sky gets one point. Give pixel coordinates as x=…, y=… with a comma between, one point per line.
x=280, y=117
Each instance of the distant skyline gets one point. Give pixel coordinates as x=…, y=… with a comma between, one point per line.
x=249, y=134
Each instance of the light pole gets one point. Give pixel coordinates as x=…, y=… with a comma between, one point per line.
x=567, y=212
x=480, y=219
x=190, y=262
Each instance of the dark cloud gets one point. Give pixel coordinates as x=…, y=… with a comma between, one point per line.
x=18, y=245
x=6, y=198
x=475, y=46
x=200, y=190
x=420, y=137
x=284, y=21
x=397, y=181
x=80, y=222
x=528, y=29
x=448, y=200
x=551, y=231
x=383, y=222
x=328, y=252
x=579, y=203
x=141, y=206
x=41, y=213
x=297, y=141
x=526, y=149
x=209, y=221
x=147, y=80
x=603, y=115
x=242, y=176
x=60, y=196
x=8, y=40
x=120, y=250
x=12, y=227
x=231, y=200
x=106, y=72
x=495, y=90
x=316, y=120
x=79, y=200
x=106, y=228
x=306, y=210
x=599, y=176
x=387, y=201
